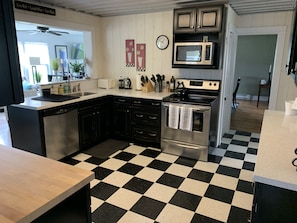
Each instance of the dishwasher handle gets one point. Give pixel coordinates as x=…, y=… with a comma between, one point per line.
x=59, y=111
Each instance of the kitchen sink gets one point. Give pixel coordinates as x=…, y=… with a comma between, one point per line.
x=55, y=98
x=83, y=93
x=61, y=98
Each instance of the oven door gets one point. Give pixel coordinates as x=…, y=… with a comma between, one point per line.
x=192, y=141
x=196, y=132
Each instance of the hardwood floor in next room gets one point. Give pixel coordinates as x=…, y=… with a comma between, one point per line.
x=247, y=116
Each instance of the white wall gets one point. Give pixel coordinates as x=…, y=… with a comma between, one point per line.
x=143, y=28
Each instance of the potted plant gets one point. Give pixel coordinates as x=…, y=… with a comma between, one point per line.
x=55, y=65
x=76, y=68
x=38, y=76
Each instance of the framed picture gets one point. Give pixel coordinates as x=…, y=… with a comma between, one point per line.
x=61, y=54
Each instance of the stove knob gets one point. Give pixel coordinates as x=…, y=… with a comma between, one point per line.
x=215, y=84
x=210, y=84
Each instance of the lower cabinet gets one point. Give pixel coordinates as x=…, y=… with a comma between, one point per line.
x=75, y=209
x=273, y=204
x=131, y=119
x=146, y=122
x=121, y=118
x=137, y=120
x=94, y=119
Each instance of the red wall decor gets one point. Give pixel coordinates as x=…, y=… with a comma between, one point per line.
x=130, y=53
x=140, y=57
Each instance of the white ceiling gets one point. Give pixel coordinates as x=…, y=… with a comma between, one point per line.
x=125, y=7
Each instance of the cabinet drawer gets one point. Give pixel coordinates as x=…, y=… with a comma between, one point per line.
x=143, y=117
x=153, y=104
x=146, y=134
x=122, y=100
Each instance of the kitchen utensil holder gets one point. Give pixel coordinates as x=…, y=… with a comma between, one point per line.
x=158, y=87
x=148, y=87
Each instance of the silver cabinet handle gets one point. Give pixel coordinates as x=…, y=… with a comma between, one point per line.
x=139, y=132
x=139, y=115
x=153, y=134
x=152, y=117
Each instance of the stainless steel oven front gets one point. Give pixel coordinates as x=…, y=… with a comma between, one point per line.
x=191, y=141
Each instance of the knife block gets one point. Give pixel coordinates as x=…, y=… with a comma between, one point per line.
x=148, y=87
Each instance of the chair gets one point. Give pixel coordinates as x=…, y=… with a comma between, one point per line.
x=234, y=102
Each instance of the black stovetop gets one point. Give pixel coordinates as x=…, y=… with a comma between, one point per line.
x=190, y=99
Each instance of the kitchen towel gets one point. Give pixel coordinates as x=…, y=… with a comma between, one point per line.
x=173, y=116
x=186, y=118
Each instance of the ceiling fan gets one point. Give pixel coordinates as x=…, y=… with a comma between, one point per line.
x=44, y=29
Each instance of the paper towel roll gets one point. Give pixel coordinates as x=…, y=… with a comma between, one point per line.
x=288, y=108
x=138, y=82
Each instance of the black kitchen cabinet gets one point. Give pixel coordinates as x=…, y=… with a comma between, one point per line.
x=198, y=20
x=11, y=90
x=94, y=118
x=273, y=204
x=146, y=122
x=121, y=118
x=26, y=130
x=292, y=66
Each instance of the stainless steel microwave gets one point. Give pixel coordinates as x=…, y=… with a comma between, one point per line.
x=193, y=53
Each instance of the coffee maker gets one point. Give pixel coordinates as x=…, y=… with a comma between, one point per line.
x=127, y=83
x=121, y=83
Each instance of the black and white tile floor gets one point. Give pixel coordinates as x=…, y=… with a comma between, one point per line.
x=139, y=184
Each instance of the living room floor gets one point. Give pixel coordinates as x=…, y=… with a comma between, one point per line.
x=140, y=184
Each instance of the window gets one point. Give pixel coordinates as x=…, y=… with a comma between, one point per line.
x=27, y=51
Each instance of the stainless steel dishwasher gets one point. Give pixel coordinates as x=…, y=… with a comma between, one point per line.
x=61, y=132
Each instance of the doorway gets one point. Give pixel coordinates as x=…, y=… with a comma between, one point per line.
x=254, y=61
x=229, y=69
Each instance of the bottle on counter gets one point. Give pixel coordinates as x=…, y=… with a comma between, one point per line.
x=172, y=84
x=167, y=89
x=67, y=88
x=61, y=89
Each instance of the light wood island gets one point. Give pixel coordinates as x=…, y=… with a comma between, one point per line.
x=37, y=189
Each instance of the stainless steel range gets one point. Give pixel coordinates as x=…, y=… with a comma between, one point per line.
x=190, y=118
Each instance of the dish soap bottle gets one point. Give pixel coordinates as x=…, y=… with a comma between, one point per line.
x=61, y=89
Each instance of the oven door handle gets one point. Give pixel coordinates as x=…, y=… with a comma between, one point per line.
x=200, y=109
x=187, y=146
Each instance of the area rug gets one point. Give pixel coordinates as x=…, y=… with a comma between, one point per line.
x=104, y=149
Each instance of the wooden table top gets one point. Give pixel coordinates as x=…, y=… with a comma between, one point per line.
x=30, y=185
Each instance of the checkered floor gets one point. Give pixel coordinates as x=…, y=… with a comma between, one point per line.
x=141, y=184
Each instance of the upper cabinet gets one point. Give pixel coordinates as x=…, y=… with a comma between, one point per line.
x=198, y=20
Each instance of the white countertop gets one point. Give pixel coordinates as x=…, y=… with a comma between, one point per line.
x=40, y=105
x=276, y=151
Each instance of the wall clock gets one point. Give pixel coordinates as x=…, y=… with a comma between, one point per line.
x=162, y=42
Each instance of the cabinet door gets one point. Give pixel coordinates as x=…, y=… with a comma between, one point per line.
x=209, y=19
x=103, y=116
x=273, y=204
x=184, y=20
x=121, y=120
x=88, y=128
